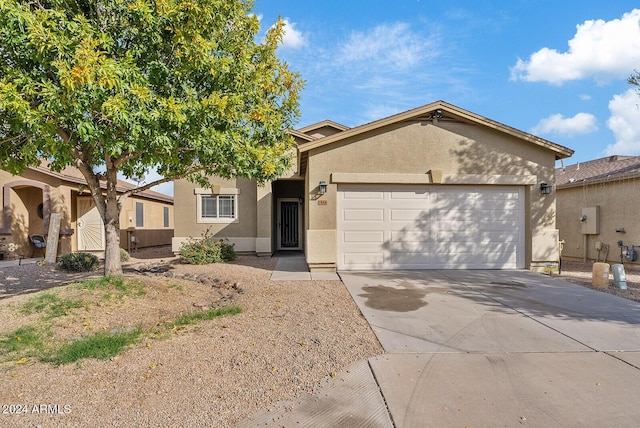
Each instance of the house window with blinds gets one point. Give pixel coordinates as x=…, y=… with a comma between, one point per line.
x=217, y=208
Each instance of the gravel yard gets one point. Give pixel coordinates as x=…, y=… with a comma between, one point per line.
x=581, y=273
x=290, y=337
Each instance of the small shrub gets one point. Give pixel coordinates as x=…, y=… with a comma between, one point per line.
x=124, y=256
x=78, y=262
x=206, y=250
x=227, y=251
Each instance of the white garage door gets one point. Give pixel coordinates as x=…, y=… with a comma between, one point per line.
x=430, y=227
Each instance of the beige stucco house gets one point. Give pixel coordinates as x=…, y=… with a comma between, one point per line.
x=598, y=206
x=29, y=200
x=436, y=187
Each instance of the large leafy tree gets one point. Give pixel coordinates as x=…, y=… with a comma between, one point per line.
x=182, y=87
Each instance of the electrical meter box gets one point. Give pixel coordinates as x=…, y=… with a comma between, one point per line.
x=590, y=220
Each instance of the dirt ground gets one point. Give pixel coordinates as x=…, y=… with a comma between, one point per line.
x=288, y=339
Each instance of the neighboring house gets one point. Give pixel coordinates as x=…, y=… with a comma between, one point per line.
x=437, y=187
x=30, y=198
x=606, y=192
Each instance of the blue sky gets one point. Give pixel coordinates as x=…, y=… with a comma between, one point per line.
x=557, y=69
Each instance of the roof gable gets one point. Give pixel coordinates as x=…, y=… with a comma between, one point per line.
x=322, y=129
x=438, y=110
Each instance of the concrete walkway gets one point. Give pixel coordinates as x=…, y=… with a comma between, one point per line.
x=482, y=349
x=292, y=266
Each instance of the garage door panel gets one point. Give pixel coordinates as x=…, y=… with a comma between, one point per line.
x=358, y=215
x=475, y=236
x=478, y=248
x=420, y=195
x=408, y=215
x=410, y=258
x=360, y=195
x=476, y=215
x=364, y=260
x=430, y=227
x=368, y=236
x=477, y=227
x=410, y=247
x=410, y=236
x=497, y=204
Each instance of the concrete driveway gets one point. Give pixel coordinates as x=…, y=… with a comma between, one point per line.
x=483, y=349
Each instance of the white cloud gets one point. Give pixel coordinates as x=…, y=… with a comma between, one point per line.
x=581, y=123
x=585, y=97
x=293, y=38
x=600, y=49
x=625, y=124
x=393, y=47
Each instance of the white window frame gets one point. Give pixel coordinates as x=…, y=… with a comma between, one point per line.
x=226, y=193
x=139, y=214
x=166, y=221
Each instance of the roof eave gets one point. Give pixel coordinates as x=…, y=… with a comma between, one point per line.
x=561, y=151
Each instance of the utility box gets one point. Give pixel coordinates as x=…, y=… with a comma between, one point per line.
x=590, y=220
x=600, y=275
x=619, y=277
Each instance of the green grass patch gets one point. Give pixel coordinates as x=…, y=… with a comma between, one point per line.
x=100, y=346
x=27, y=341
x=40, y=342
x=176, y=286
x=51, y=305
x=114, y=286
x=206, y=315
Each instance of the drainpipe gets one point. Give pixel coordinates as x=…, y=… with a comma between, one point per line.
x=585, y=241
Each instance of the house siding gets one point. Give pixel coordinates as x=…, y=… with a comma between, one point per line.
x=241, y=232
x=617, y=211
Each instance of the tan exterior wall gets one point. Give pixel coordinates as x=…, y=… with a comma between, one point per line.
x=619, y=209
x=25, y=197
x=253, y=229
x=153, y=232
x=242, y=232
x=450, y=149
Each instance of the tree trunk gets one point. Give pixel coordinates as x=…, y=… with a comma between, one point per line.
x=112, y=263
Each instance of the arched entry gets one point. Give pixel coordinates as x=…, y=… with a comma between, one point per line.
x=27, y=213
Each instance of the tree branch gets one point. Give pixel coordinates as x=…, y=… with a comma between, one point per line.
x=162, y=180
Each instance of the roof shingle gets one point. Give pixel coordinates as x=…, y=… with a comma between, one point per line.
x=609, y=167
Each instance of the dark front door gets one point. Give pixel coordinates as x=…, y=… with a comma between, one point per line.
x=289, y=224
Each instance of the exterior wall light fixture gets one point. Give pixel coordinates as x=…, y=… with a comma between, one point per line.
x=545, y=188
x=323, y=187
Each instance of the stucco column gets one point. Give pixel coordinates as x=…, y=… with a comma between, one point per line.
x=264, y=204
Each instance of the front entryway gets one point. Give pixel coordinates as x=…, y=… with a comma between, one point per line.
x=289, y=224
x=90, y=226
